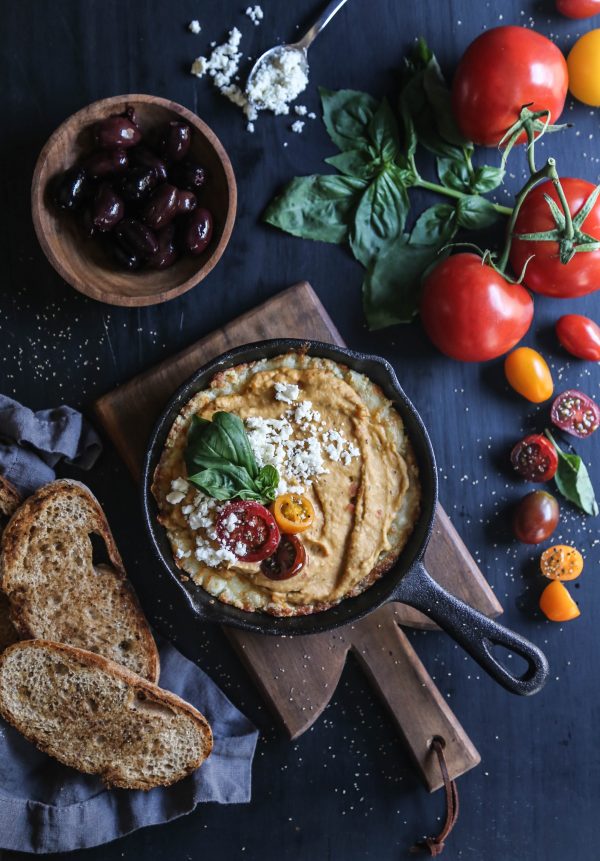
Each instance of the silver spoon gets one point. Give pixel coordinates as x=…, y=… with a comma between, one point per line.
x=301, y=46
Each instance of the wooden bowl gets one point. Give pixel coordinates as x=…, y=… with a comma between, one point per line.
x=82, y=261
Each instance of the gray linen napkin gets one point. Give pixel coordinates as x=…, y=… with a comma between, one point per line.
x=31, y=444
x=47, y=807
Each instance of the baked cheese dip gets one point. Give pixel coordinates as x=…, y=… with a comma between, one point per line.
x=288, y=485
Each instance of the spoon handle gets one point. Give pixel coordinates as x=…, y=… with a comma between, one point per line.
x=330, y=10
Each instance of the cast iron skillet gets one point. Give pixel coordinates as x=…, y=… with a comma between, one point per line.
x=407, y=581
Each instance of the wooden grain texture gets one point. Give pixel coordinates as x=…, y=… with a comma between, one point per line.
x=298, y=676
x=83, y=261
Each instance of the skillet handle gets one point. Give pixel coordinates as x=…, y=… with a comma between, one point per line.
x=475, y=632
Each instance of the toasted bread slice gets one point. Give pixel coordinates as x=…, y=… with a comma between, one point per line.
x=55, y=590
x=9, y=502
x=94, y=715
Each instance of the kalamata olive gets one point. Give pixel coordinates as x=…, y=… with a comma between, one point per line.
x=141, y=156
x=136, y=237
x=188, y=175
x=107, y=208
x=137, y=183
x=131, y=115
x=198, y=231
x=176, y=140
x=71, y=189
x=167, y=252
x=186, y=201
x=124, y=258
x=106, y=162
x=117, y=132
x=536, y=517
x=162, y=207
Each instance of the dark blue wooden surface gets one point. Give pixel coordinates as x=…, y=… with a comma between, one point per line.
x=346, y=790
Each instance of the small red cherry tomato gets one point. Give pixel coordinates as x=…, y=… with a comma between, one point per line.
x=471, y=312
x=248, y=529
x=535, y=458
x=287, y=561
x=536, y=517
x=578, y=8
x=580, y=336
x=575, y=413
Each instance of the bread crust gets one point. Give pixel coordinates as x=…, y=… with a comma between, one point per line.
x=111, y=777
x=10, y=500
x=15, y=539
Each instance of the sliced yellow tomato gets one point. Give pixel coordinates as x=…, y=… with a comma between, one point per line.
x=556, y=603
x=561, y=562
x=529, y=375
x=293, y=512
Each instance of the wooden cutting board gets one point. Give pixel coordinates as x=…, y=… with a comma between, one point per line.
x=298, y=675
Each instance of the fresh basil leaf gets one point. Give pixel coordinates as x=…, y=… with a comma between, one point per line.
x=267, y=481
x=435, y=226
x=392, y=283
x=573, y=480
x=486, y=178
x=383, y=131
x=379, y=217
x=440, y=100
x=316, y=207
x=354, y=162
x=347, y=115
x=213, y=483
x=232, y=427
x=475, y=212
x=454, y=173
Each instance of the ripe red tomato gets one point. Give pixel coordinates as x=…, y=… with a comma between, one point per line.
x=470, y=312
x=288, y=559
x=500, y=72
x=545, y=273
x=575, y=413
x=578, y=8
x=248, y=529
x=536, y=517
x=580, y=336
x=535, y=458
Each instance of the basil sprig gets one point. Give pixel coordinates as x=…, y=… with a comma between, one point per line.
x=366, y=205
x=573, y=480
x=221, y=463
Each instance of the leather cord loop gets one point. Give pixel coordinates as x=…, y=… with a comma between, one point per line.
x=435, y=845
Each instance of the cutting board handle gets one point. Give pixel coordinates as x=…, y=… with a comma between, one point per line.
x=417, y=707
x=475, y=632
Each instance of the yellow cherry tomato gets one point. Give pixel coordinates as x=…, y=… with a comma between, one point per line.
x=561, y=563
x=529, y=375
x=556, y=603
x=293, y=513
x=583, y=63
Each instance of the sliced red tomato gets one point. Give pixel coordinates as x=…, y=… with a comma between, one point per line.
x=501, y=71
x=535, y=458
x=248, y=529
x=580, y=336
x=545, y=273
x=575, y=413
x=578, y=8
x=470, y=312
x=288, y=560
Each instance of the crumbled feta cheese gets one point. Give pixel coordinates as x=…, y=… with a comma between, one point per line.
x=231, y=521
x=338, y=448
x=240, y=549
x=286, y=392
x=297, y=127
x=250, y=128
x=183, y=554
x=214, y=556
x=279, y=79
x=312, y=116
x=175, y=497
x=222, y=65
x=300, y=110
x=305, y=413
x=194, y=26
x=180, y=484
x=255, y=13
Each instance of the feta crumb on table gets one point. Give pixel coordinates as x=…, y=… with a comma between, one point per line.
x=194, y=26
x=297, y=127
x=256, y=14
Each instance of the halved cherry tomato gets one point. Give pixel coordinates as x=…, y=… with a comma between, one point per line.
x=556, y=603
x=535, y=458
x=529, y=375
x=248, y=529
x=536, y=517
x=471, y=312
x=293, y=512
x=575, y=413
x=578, y=8
x=287, y=561
x=580, y=336
x=501, y=71
x=561, y=562
x=583, y=63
